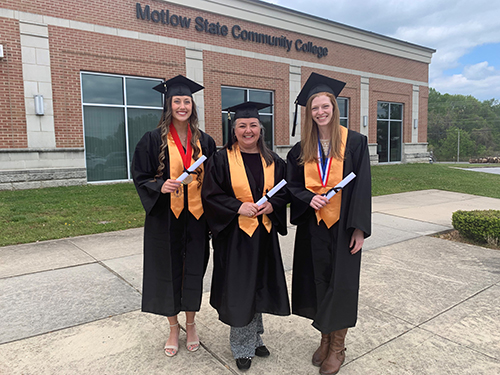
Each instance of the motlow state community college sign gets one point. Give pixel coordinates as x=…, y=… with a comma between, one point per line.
x=202, y=25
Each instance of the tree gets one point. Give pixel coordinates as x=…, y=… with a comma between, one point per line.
x=478, y=122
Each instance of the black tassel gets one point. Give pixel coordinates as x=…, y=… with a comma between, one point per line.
x=229, y=133
x=295, y=117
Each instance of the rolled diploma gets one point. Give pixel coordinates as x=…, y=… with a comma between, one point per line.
x=271, y=192
x=341, y=184
x=195, y=165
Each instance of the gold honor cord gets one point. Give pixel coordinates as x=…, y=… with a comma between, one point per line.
x=242, y=191
x=331, y=212
x=194, y=191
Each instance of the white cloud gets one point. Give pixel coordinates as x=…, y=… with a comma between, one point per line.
x=479, y=80
x=479, y=71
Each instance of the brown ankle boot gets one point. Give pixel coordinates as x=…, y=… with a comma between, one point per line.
x=336, y=355
x=322, y=352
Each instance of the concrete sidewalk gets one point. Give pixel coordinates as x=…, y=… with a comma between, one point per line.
x=427, y=306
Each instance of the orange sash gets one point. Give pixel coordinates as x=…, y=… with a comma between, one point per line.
x=241, y=188
x=194, y=191
x=331, y=212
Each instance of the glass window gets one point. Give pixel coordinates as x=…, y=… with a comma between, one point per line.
x=113, y=126
x=232, y=96
x=389, y=131
x=139, y=122
x=99, y=89
x=140, y=92
x=343, y=104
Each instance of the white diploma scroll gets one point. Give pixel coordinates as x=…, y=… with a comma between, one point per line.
x=341, y=185
x=195, y=165
x=271, y=192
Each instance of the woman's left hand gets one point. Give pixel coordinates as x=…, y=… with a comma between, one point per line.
x=357, y=240
x=266, y=208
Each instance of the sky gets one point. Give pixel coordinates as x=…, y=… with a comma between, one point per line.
x=466, y=35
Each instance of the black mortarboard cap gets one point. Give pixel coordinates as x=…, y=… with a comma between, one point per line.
x=243, y=110
x=178, y=86
x=247, y=109
x=316, y=83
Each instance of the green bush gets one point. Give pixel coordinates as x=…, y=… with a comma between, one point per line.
x=479, y=226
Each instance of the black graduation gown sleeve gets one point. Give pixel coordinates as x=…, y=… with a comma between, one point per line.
x=166, y=289
x=300, y=196
x=325, y=283
x=248, y=274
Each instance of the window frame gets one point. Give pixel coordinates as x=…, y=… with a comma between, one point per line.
x=247, y=97
x=389, y=121
x=346, y=117
x=125, y=108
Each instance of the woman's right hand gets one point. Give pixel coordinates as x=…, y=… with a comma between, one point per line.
x=319, y=201
x=248, y=209
x=170, y=186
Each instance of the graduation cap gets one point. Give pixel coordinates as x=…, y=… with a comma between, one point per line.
x=316, y=83
x=178, y=86
x=243, y=110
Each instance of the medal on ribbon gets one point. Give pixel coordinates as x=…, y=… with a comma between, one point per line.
x=324, y=163
x=185, y=156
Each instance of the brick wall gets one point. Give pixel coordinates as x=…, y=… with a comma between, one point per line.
x=227, y=70
x=73, y=51
x=387, y=91
x=12, y=111
x=122, y=15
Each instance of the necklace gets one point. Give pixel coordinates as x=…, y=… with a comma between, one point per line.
x=325, y=145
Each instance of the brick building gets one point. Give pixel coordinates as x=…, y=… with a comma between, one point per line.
x=76, y=78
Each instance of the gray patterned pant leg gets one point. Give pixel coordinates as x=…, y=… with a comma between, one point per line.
x=244, y=340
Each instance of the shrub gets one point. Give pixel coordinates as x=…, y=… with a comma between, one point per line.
x=479, y=226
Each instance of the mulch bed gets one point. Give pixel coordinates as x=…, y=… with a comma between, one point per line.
x=453, y=235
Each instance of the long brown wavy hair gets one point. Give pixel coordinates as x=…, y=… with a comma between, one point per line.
x=164, y=125
x=309, y=137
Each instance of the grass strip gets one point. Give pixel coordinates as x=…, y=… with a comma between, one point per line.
x=52, y=213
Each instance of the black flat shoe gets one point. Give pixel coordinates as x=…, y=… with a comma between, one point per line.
x=243, y=363
x=262, y=351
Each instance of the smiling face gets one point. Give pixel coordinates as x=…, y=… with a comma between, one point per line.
x=322, y=110
x=182, y=107
x=247, y=132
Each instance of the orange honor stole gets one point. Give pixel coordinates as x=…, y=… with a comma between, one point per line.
x=177, y=163
x=331, y=212
x=242, y=191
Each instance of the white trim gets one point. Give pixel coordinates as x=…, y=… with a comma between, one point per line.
x=194, y=71
x=53, y=21
x=364, y=105
x=414, y=114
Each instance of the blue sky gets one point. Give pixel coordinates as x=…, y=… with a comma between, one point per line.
x=465, y=33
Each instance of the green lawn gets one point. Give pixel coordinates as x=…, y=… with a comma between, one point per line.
x=390, y=179
x=50, y=213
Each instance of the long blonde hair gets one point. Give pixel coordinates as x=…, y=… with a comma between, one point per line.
x=309, y=137
x=164, y=125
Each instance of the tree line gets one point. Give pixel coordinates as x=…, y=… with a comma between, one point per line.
x=458, y=123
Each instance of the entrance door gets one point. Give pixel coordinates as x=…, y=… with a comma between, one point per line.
x=389, y=131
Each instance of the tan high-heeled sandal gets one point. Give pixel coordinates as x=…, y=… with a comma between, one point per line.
x=192, y=346
x=171, y=350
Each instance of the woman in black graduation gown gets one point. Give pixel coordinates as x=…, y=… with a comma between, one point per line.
x=330, y=233
x=176, y=243
x=248, y=277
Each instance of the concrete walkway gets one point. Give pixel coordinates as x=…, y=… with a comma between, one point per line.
x=427, y=306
